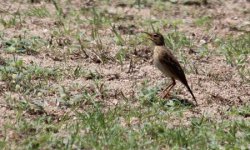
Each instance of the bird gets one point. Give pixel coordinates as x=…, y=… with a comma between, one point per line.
x=168, y=64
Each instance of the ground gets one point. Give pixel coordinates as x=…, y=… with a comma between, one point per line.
x=79, y=74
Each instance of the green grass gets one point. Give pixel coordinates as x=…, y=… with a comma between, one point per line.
x=127, y=127
x=22, y=78
x=23, y=44
x=177, y=41
x=205, y=20
x=57, y=77
x=41, y=12
x=236, y=52
x=150, y=125
x=12, y=21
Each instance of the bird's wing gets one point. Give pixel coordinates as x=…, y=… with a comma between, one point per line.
x=167, y=59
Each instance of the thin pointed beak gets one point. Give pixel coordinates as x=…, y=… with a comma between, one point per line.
x=146, y=33
x=149, y=36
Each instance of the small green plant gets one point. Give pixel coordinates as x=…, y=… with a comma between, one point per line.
x=160, y=6
x=20, y=77
x=242, y=111
x=82, y=44
x=121, y=55
x=177, y=40
x=205, y=20
x=59, y=10
x=41, y=12
x=148, y=95
x=78, y=72
x=98, y=18
x=118, y=38
x=11, y=21
x=23, y=44
x=236, y=52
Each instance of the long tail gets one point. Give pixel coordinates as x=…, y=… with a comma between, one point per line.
x=191, y=93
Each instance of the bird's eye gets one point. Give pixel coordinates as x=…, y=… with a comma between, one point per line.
x=155, y=35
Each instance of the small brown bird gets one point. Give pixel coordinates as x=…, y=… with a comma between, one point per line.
x=166, y=62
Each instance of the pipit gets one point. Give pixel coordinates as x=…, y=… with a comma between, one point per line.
x=167, y=63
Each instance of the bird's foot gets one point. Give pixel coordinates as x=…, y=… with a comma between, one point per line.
x=164, y=95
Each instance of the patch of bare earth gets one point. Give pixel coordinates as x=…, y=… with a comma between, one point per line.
x=216, y=85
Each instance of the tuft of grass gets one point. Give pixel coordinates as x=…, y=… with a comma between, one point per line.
x=177, y=40
x=236, y=52
x=40, y=12
x=241, y=111
x=21, y=78
x=121, y=55
x=118, y=38
x=98, y=18
x=59, y=9
x=160, y=6
x=148, y=95
x=23, y=44
x=13, y=20
x=127, y=127
x=205, y=20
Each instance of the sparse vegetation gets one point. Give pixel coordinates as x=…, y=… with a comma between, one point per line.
x=237, y=53
x=79, y=75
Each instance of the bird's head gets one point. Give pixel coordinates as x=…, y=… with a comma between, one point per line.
x=157, y=38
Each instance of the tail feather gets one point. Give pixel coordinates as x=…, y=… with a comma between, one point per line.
x=191, y=93
x=189, y=89
x=184, y=81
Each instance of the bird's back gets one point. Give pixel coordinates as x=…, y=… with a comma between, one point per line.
x=167, y=63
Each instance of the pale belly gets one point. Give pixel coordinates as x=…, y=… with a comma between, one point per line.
x=158, y=51
x=162, y=68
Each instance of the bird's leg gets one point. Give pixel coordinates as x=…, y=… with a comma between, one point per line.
x=167, y=90
x=163, y=95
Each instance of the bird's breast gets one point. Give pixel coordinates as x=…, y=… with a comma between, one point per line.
x=158, y=52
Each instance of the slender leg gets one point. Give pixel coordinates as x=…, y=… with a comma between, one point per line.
x=167, y=90
x=163, y=92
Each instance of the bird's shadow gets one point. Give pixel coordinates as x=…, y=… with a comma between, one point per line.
x=177, y=101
